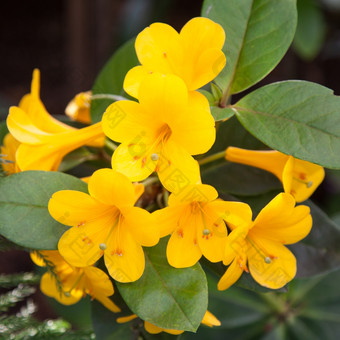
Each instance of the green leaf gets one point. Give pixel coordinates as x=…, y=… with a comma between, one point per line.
x=319, y=252
x=258, y=34
x=241, y=180
x=165, y=296
x=110, y=79
x=298, y=118
x=75, y=158
x=311, y=29
x=24, y=197
x=221, y=113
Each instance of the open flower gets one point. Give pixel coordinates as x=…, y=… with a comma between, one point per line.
x=195, y=220
x=258, y=247
x=105, y=222
x=161, y=132
x=44, y=140
x=194, y=54
x=8, y=151
x=68, y=284
x=209, y=320
x=78, y=108
x=299, y=178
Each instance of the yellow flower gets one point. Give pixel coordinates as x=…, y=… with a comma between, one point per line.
x=161, y=132
x=299, y=178
x=194, y=54
x=68, y=284
x=105, y=222
x=259, y=245
x=78, y=108
x=8, y=151
x=44, y=140
x=195, y=220
x=209, y=320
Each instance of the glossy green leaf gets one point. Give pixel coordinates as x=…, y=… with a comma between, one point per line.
x=319, y=252
x=75, y=158
x=311, y=29
x=258, y=34
x=221, y=113
x=298, y=118
x=165, y=296
x=110, y=79
x=24, y=197
x=242, y=180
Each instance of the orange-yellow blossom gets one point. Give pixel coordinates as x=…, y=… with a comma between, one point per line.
x=8, y=151
x=258, y=246
x=161, y=132
x=105, y=222
x=194, y=54
x=44, y=141
x=68, y=284
x=209, y=320
x=78, y=108
x=299, y=178
x=195, y=220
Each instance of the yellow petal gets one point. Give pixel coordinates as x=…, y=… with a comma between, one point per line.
x=80, y=246
x=97, y=281
x=133, y=162
x=23, y=129
x=236, y=244
x=166, y=219
x=177, y=168
x=182, y=250
x=108, y=303
x=133, y=79
x=234, y=213
x=48, y=286
x=78, y=109
x=281, y=221
x=193, y=193
x=202, y=41
x=124, y=258
x=128, y=121
x=124, y=319
x=232, y=274
x=111, y=188
x=153, y=329
x=195, y=129
x=158, y=48
x=74, y=208
x=164, y=97
x=139, y=190
x=280, y=270
x=210, y=320
x=141, y=225
x=8, y=152
x=211, y=234
x=306, y=177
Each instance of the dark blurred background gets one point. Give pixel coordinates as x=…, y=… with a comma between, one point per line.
x=70, y=40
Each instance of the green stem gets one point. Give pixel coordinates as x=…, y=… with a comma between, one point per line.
x=110, y=145
x=107, y=96
x=150, y=180
x=212, y=158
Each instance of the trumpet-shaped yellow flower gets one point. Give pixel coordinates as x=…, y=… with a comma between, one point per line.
x=194, y=54
x=209, y=320
x=8, y=151
x=195, y=220
x=259, y=245
x=78, y=108
x=299, y=178
x=44, y=141
x=68, y=284
x=161, y=132
x=42, y=150
x=105, y=222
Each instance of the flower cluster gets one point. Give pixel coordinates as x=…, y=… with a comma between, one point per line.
x=159, y=133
